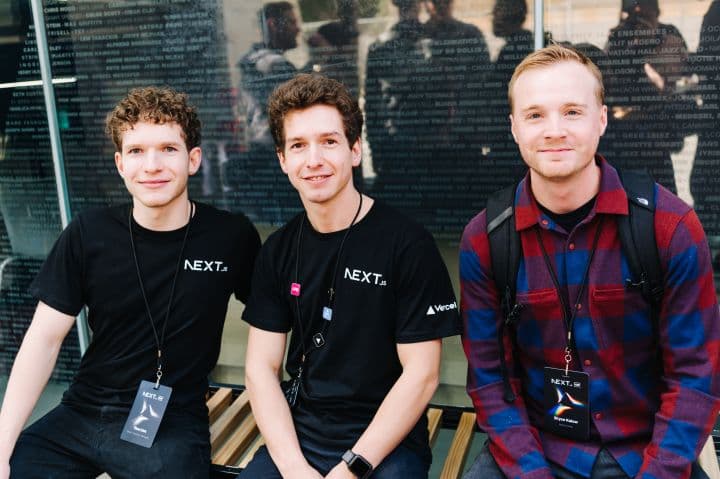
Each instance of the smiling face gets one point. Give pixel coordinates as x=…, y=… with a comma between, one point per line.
x=557, y=120
x=318, y=158
x=155, y=165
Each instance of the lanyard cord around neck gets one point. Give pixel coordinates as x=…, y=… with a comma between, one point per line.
x=331, y=292
x=159, y=341
x=568, y=312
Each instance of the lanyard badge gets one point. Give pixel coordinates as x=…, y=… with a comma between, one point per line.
x=146, y=414
x=151, y=399
x=567, y=412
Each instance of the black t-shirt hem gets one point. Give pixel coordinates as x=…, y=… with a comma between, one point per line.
x=263, y=324
x=424, y=337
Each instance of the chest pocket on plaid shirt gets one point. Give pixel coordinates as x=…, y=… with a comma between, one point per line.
x=620, y=315
x=540, y=325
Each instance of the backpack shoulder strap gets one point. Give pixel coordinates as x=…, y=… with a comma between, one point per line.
x=505, y=253
x=637, y=235
x=504, y=243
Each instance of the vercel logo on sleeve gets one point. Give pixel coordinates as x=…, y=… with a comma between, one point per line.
x=204, y=265
x=439, y=308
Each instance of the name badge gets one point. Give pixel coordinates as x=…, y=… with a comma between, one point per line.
x=146, y=414
x=567, y=411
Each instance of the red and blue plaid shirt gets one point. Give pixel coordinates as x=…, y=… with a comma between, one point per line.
x=653, y=387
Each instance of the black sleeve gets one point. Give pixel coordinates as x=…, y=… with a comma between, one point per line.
x=59, y=284
x=426, y=303
x=266, y=309
x=249, y=241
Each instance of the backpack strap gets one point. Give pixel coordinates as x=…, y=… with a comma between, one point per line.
x=505, y=252
x=637, y=236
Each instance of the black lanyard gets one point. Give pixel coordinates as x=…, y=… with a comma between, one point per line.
x=159, y=341
x=318, y=338
x=568, y=312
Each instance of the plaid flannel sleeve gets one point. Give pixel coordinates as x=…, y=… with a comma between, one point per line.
x=690, y=343
x=514, y=443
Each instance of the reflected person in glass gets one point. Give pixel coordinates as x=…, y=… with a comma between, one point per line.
x=646, y=58
x=263, y=68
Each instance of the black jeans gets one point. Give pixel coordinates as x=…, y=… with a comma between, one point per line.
x=402, y=463
x=605, y=467
x=69, y=443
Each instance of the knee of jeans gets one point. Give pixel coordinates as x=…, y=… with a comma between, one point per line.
x=402, y=462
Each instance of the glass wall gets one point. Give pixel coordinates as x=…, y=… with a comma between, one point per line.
x=431, y=76
x=28, y=196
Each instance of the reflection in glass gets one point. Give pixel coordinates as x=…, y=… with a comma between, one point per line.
x=270, y=198
x=704, y=180
x=28, y=198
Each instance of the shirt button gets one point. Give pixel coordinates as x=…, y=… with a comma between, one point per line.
x=571, y=246
x=598, y=415
x=545, y=222
x=578, y=306
x=587, y=362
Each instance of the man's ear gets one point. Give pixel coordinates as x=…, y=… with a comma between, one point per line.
x=281, y=158
x=512, y=127
x=356, y=150
x=119, y=163
x=603, y=119
x=195, y=159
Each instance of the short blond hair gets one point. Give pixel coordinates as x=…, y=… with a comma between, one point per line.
x=552, y=55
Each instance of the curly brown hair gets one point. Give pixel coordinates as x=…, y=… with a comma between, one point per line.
x=310, y=89
x=154, y=105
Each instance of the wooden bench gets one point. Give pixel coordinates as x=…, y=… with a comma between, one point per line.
x=235, y=438
x=234, y=435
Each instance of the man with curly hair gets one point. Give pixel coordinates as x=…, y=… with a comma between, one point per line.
x=156, y=276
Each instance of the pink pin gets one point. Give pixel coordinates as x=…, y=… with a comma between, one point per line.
x=295, y=289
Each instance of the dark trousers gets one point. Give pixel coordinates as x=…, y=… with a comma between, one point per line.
x=605, y=467
x=401, y=463
x=69, y=443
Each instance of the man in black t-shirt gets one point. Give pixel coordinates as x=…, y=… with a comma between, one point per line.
x=156, y=277
x=367, y=297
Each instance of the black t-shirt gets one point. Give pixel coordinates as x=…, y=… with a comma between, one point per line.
x=570, y=219
x=92, y=264
x=391, y=287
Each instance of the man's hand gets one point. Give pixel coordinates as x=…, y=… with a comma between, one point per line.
x=654, y=77
x=340, y=471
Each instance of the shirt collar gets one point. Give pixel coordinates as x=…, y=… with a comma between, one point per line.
x=611, y=198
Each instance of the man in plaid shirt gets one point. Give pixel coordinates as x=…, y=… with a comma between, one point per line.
x=647, y=390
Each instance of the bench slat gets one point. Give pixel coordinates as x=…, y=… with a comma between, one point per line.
x=229, y=420
x=459, y=448
x=238, y=442
x=251, y=452
x=434, y=417
x=218, y=403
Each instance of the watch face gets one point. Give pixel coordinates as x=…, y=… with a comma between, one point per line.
x=359, y=466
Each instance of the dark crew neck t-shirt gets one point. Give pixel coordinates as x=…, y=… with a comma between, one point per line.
x=391, y=287
x=92, y=264
x=570, y=219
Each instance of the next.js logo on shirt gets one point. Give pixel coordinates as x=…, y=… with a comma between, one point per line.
x=203, y=265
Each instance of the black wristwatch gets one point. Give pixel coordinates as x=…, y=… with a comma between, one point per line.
x=357, y=464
